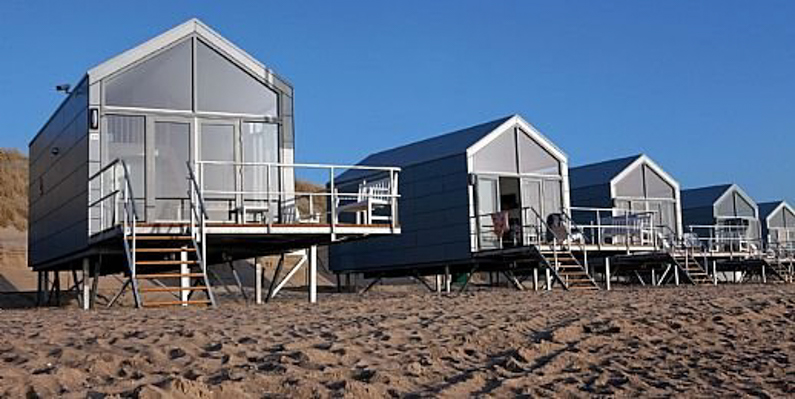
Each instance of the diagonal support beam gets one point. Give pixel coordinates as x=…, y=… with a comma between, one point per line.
x=289, y=275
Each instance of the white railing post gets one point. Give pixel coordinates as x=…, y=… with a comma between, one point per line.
x=333, y=215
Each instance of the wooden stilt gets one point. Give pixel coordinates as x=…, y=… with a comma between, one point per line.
x=313, y=274
x=85, y=286
x=535, y=278
x=258, y=283
x=607, y=273
x=95, y=281
x=57, y=288
x=184, y=282
x=764, y=274
x=549, y=279
x=447, y=279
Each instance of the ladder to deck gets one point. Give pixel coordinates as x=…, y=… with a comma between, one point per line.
x=169, y=265
x=567, y=269
x=693, y=270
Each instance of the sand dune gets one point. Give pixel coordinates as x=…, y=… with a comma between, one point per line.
x=706, y=341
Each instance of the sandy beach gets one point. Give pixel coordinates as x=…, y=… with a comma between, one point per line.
x=401, y=342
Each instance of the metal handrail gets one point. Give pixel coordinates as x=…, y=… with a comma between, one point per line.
x=195, y=188
x=198, y=227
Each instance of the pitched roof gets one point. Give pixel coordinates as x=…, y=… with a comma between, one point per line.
x=766, y=208
x=176, y=34
x=445, y=145
x=599, y=173
x=703, y=196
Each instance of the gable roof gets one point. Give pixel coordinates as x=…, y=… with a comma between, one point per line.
x=599, y=173
x=174, y=35
x=462, y=141
x=767, y=209
x=445, y=145
x=703, y=196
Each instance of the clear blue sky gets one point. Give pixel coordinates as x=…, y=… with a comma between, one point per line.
x=707, y=88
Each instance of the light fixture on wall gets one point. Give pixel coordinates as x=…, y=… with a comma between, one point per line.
x=93, y=119
x=64, y=88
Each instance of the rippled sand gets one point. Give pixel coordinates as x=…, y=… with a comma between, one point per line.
x=706, y=341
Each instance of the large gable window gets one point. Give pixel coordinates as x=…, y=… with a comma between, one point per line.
x=162, y=81
x=222, y=86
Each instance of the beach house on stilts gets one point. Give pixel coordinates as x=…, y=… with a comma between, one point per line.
x=177, y=155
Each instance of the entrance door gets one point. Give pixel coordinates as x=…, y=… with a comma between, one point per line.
x=532, y=210
x=259, y=143
x=488, y=197
x=171, y=154
x=219, y=176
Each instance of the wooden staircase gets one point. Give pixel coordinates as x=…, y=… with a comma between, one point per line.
x=169, y=264
x=779, y=269
x=692, y=269
x=568, y=269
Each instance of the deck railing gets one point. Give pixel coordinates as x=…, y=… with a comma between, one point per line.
x=726, y=239
x=115, y=204
x=530, y=228
x=252, y=193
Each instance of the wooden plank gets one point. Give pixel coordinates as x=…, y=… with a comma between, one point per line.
x=166, y=262
x=147, y=237
x=167, y=275
x=164, y=250
x=176, y=303
x=170, y=289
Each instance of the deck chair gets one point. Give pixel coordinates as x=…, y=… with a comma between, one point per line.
x=370, y=196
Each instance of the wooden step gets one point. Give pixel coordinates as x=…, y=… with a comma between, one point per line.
x=176, y=303
x=168, y=275
x=148, y=237
x=165, y=250
x=170, y=289
x=165, y=262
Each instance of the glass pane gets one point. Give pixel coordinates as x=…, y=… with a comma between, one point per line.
x=552, y=197
x=533, y=158
x=488, y=204
x=125, y=140
x=743, y=207
x=172, y=152
x=531, y=210
x=498, y=156
x=777, y=219
x=725, y=207
x=789, y=218
x=261, y=145
x=218, y=180
x=163, y=81
x=531, y=197
x=222, y=86
x=631, y=185
x=656, y=187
